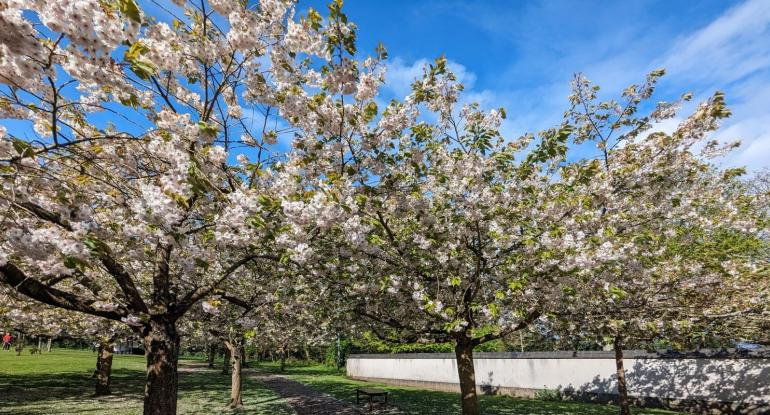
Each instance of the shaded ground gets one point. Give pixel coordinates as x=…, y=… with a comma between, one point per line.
x=60, y=383
x=407, y=400
x=305, y=400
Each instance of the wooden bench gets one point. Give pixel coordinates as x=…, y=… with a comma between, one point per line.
x=371, y=394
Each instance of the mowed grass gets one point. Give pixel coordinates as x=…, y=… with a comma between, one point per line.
x=417, y=401
x=60, y=383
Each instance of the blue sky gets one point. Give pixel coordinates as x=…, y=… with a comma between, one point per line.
x=522, y=55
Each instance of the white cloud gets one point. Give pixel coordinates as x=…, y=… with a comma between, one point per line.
x=400, y=75
x=732, y=54
x=731, y=47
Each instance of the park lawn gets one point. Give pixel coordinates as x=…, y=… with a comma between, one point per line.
x=424, y=402
x=60, y=383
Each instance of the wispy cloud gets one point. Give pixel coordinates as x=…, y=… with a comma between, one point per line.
x=732, y=53
x=732, y=47
x=616, y=45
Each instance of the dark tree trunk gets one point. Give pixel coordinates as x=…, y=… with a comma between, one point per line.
x=243, y=357
x=464, y=357
x=103, y=372
x=161, y=344
x=283, y=359
x=211, y=353
x=20, y=344
x=625, y=408
x=236, y=354
x=226, y=362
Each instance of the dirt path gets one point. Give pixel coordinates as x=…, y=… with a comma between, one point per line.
x=304, y=399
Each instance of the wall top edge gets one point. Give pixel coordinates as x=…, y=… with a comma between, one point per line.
x=627, y=354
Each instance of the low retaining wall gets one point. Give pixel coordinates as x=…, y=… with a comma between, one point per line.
x=723, y=382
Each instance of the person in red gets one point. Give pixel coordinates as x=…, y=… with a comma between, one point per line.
x=7, y=340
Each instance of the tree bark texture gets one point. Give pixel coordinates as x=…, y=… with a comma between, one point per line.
x=103, y=372
x=236, y=354
x=161, y=345
x=625, y=408
x=467, y=373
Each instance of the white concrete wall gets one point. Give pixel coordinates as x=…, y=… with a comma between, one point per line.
x=709, y=379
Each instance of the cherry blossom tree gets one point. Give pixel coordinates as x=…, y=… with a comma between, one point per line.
x=432, y=223
x=654, y=210
x=412, y=222
x=150, y=180
x=139, y=217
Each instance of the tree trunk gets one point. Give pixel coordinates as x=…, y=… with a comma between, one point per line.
x=39, y=344
x=226, y=362
x=622, y=387
x=283, y=359
x=161, y=345
x=464, y=357
x=211, y=354
x=243, y=357
x=20, y=345
x=103, y=372
x=48, y=348
x=235, y=349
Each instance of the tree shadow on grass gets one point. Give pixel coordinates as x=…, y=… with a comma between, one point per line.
x=200, y=392
x=424, y=402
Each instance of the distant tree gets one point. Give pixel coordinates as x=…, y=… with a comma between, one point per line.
x=39, y=320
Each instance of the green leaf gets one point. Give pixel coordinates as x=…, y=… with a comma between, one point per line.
x=382, y=53
x=94, y=244
x=143, y=69
x=130, y=9
x=132, y=101
x=370, y=111
x=515, y=285
x=22, y=147
x=202, y=264
x=256, y=221
x=75, y=263
x=618, y=293
x=315, y=18
x=207, y=129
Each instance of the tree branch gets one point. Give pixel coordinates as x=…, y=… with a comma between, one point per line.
x=30, y=287
x=531, y=316
x=197, y=294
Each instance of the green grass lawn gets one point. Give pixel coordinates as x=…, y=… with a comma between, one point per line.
x=422, y=402
x=60, y=383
